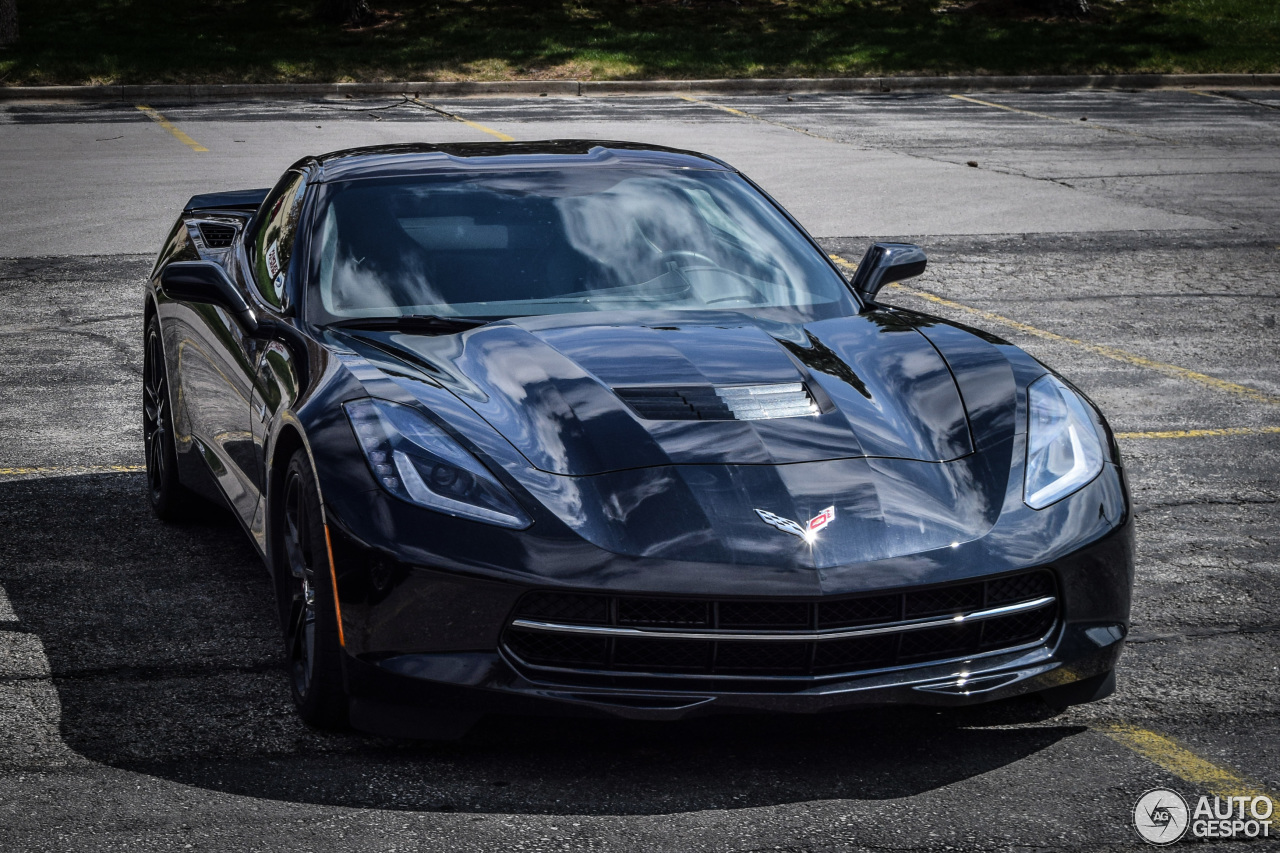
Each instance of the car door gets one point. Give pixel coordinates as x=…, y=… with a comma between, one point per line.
x=270, y=260
x=213, y=357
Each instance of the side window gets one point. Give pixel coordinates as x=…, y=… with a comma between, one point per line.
x=274, y=239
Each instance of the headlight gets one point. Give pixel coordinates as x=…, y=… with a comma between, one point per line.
x=414, y=459
x=1063, y=449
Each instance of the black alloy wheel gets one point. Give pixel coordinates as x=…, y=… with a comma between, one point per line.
x=169, y=499
x=306, y=600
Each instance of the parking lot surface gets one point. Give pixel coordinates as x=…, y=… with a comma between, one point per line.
x=1132, y=241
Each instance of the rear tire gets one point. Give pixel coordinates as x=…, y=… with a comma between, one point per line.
x=169, y=499
x=304, y=584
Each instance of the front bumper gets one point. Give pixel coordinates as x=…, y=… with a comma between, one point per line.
x=430, y=643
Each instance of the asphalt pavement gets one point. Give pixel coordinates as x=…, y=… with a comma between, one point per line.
x=1131, y=240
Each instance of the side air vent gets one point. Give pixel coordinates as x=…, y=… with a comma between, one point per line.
x=728, y=403
x=216, y=236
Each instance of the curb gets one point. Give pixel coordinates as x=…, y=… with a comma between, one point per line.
x=587, y=88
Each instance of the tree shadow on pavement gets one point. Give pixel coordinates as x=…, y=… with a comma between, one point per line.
x=165, y=651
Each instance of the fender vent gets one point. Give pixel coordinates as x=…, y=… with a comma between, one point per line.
x=217, y=236
x=728, y=403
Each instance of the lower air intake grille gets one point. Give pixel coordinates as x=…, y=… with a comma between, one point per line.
x=600, y=637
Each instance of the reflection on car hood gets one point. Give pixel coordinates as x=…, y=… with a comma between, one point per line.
x=589, y=393
x=898, y=464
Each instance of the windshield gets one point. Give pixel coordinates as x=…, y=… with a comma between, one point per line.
x=545, y=241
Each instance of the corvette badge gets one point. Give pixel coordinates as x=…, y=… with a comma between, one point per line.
x=805, y=531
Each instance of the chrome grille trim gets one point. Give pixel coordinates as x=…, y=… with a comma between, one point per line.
x=592, y=637
x=789, y=636
x=549, y=671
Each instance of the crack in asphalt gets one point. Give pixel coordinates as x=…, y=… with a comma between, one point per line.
x=1207, y=502
x=1041, y=300
x=1212, y=174
x=1202, y=633
x=69, y=323
x=114, y=343
x=1236, y=96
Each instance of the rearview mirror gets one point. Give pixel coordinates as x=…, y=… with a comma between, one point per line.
x=885, y=263
x=204, y=281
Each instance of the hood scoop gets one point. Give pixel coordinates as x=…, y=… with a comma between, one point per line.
x=726, y=403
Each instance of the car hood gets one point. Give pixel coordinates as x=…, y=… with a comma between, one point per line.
x=587, y=394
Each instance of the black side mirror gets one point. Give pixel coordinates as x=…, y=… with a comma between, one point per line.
x=204, y=281
x=885, y=263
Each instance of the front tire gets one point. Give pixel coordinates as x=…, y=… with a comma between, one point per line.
x=307, y=606
x=169, y=499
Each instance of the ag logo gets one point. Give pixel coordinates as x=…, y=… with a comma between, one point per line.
x=1161, y=816
x=807, y=531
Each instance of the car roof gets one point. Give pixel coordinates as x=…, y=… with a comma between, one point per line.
x=424, y=158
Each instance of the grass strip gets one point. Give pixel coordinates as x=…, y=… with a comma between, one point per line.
x=251, y=41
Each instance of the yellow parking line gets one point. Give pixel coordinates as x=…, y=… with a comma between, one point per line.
x=70, y=469
x=1114, y=353
x=1200, y=433
x=499, y=134
x=1073, y=122
x=472, y=124
x=159, y=119
x=755, y=117
x=730, y=110
x=1181, y=762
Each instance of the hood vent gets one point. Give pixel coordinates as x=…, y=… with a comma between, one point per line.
x=708, y=403
x=758, y=402
x=217, y=236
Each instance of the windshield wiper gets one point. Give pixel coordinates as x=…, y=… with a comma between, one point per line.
x=413, y=323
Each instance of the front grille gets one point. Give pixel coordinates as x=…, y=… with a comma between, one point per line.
x=566, y=607
x=630, y=640
x=764, y=614
x=725, y=403
x=217, y=236
x=952, y=599
x=664, y=613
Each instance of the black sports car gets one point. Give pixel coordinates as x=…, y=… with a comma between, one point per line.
x=597, y=427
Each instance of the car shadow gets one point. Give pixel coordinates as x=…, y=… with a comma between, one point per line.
x=164, y=649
